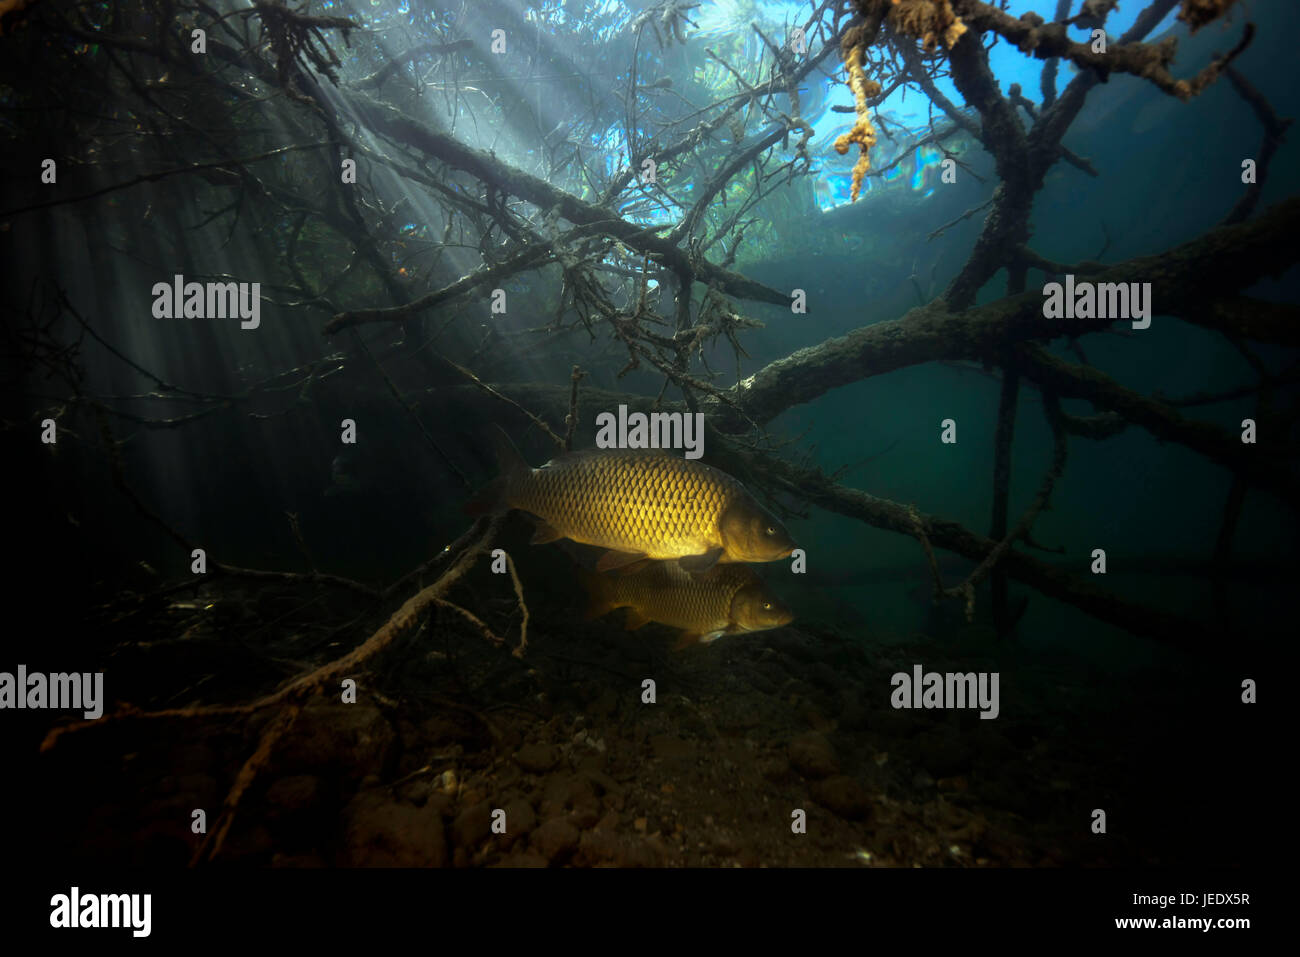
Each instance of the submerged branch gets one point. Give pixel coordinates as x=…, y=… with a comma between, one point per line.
x=1216, y=265
x=1049, y=579
x=1047, y=41
x=465, y=551
x=546, y=196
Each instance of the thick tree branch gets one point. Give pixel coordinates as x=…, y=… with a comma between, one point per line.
x=1217, y=264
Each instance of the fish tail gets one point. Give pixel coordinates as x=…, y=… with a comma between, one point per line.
x=494, y=497
x=600, y=593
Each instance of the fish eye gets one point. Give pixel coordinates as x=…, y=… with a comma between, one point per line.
x=771, y=530
x=767, y=606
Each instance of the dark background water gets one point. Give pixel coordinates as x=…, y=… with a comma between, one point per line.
x=1169, y=171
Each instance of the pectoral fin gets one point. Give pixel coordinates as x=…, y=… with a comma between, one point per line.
x=601, y=598
x=544, y=533
x=635, y=620
x=612, y=559
x=700, y=563
x=687, y=638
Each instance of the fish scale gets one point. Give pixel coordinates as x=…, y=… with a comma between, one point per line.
x=672, y=597
x=726, y=599
x=638, y=505
x=629, y=501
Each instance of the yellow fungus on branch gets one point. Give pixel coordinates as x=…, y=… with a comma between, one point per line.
x=863, y=133
x=928, y=20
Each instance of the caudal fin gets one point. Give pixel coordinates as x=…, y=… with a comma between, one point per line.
x=494, y=497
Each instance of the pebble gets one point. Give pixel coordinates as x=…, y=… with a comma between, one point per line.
x=383, y=833
x=537, y=758
x=601, y=781
x=774, y=767
x=812, y=755
x=609, y=822
x=448, y=782
x=355, y=739
x=472, y=826
x=588, y=740
x=585, y=815
x=554, y=839
x=520, y=818
x=601, y=846
x=843, y=795
x=294, y=793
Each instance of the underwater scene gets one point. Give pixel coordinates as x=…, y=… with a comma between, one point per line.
x=664, y=434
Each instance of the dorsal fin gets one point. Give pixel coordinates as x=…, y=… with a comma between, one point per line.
x=509, y=459
x=492, y=498
x=635, y=619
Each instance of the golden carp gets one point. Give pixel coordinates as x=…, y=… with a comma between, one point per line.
x=639, y=505
x=725, y=600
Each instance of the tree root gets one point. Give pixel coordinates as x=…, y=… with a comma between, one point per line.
x=292, y=697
